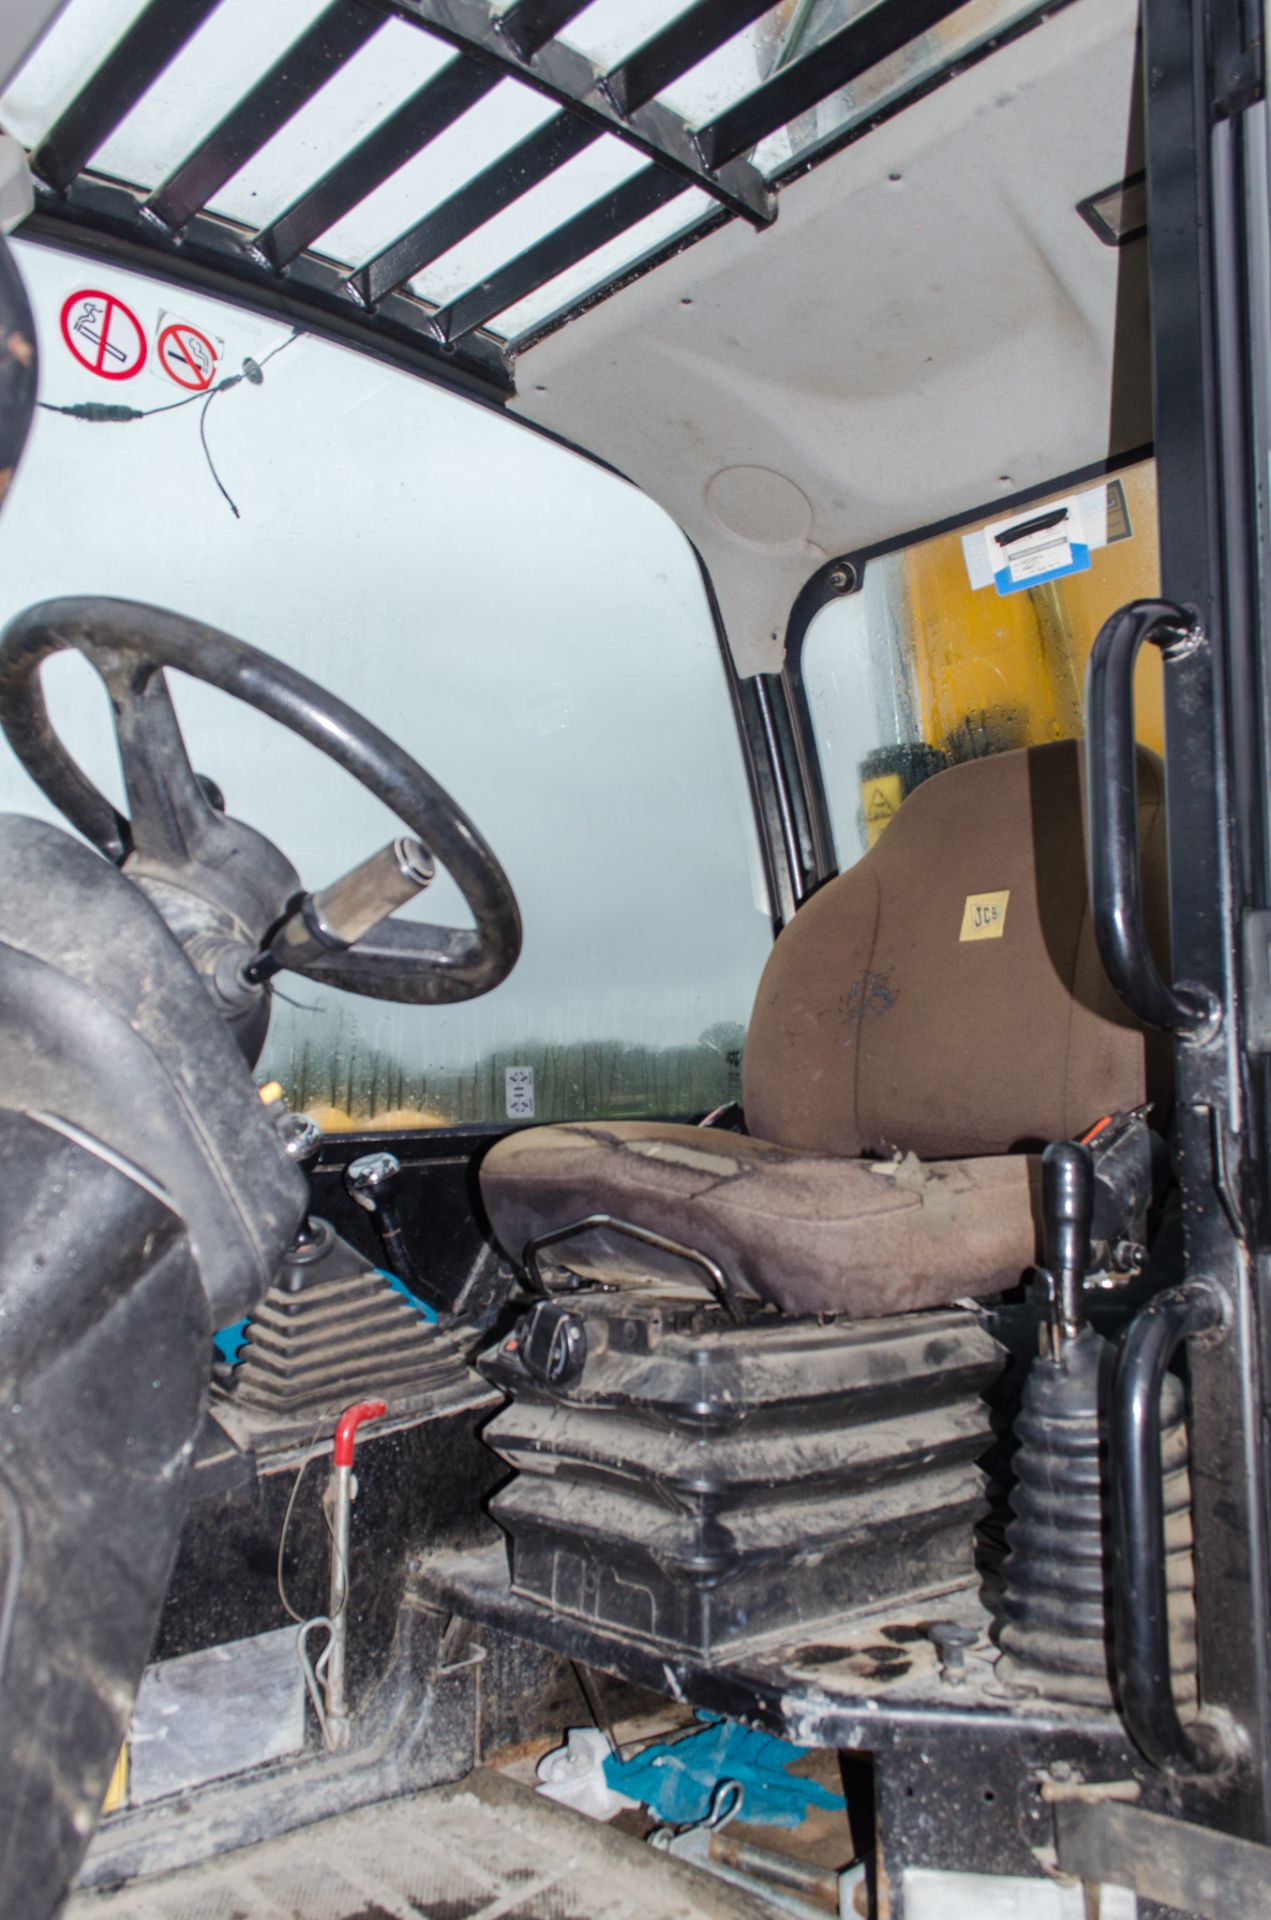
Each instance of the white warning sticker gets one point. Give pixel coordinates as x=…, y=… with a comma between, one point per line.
x=1031, y=548
x=1042, y=543
x=518, y=1085
x=187, y=355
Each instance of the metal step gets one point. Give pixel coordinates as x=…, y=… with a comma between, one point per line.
x=484, y=1849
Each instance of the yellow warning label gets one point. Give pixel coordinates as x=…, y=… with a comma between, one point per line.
x=984, y=916
x=879, y=799
x=1119, y=527
x=117, y=1791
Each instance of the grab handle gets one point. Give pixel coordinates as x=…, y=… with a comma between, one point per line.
x=1140, y=1618
x=1186, y=1009
x=716, y=1279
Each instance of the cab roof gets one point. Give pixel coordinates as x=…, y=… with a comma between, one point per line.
x=813, y=275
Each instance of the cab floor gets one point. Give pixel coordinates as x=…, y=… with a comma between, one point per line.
x=485, y=1849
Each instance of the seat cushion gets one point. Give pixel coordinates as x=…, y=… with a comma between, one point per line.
x=811, y=1232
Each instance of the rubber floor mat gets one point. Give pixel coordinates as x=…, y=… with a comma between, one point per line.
x=486, y=1849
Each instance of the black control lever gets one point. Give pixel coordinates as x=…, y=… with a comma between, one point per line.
x=1067, y=1213
x=372, y=1181
x=302, y=1142
x=340, y=915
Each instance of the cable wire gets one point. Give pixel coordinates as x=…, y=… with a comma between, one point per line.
x=211, y=464
x=100, y=413
x=311, y=1453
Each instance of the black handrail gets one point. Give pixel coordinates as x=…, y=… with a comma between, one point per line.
x=1140, y=1620
x=1186, y=1009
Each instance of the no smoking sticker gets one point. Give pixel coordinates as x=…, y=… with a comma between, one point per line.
x=186, y=354
x=103, y=334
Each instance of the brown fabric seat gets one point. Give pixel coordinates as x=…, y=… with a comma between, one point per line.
x=924, y=1021
x=808, y=1230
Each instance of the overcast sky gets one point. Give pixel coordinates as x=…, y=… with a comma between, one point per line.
x=531, y=628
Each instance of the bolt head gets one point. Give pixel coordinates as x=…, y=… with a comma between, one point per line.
x=951, y=1640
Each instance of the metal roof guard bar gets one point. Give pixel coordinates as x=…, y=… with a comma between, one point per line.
x=518, y=44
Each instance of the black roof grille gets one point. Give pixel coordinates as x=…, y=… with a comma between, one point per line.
x=428, y=112
x=627, y=204
x=153, y=41
x=340, y=31
x=370, y=299
x=660, y=61
x=841, y=58
x=497, y=186
x=528, y=25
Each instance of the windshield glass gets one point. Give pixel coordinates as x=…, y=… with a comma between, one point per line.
x=530, y=627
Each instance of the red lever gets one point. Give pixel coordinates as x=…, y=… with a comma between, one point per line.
x=346, y=1429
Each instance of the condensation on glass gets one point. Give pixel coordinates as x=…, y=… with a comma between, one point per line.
x=531, y=628
x=919, y=668
x=813, y=21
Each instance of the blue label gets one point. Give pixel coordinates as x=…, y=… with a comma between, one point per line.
x=1005, y=582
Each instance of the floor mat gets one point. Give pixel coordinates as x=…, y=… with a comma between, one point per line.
x=486, y=1849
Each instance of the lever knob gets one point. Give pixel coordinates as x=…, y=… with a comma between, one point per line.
x=340, y=915
x=372, y=1180
x=301, y=1138
x=351, y=906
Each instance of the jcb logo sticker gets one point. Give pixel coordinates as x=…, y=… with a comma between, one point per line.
x=984, y=916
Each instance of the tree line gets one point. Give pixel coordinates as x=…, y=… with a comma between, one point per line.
x=346, y=1084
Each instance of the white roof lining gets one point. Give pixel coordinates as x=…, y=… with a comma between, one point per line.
x=896, y=349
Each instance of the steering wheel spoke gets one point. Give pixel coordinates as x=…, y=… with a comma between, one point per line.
x=457, y=959
x=170, y=820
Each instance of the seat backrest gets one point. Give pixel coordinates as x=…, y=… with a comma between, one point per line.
x=945, y=995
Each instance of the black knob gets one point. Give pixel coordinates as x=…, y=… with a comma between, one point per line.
x=553, y=1344
x=1067, y=1213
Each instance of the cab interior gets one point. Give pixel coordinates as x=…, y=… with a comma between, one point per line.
x=734, y=1221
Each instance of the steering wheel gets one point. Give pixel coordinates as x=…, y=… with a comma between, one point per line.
x=231, y=885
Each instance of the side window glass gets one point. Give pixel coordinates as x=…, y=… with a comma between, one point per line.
x=937, y=657
x=532, y=629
